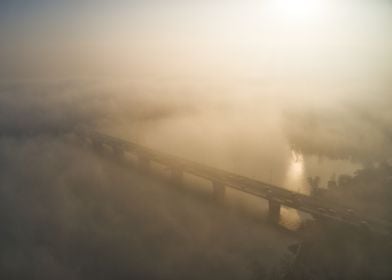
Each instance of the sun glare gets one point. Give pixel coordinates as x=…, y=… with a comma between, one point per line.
x=297, y=11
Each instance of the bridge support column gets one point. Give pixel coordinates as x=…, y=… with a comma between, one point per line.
x=176, y=176
x=144, y=163
x=218, y=191
x=273, y=211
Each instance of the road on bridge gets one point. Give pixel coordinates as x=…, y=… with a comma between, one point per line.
x=276, y=196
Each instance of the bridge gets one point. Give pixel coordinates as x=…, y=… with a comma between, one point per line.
x=220, y=180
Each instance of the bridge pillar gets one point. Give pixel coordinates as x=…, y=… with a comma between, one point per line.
x=218, y=191
x=273, y=211
x=144, y=163
x=176, y=176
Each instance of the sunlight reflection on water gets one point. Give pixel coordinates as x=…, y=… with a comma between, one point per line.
x=298, y=169
x=295, y=181
x=295, y=176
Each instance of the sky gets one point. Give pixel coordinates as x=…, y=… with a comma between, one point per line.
x=326, y=40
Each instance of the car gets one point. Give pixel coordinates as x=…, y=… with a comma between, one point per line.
x=297, y=197
x=289, y=201
x=269, y=192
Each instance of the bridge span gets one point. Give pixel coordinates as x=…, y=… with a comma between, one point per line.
x=220, y=180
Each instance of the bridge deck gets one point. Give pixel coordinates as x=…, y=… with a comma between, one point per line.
x=308, y=204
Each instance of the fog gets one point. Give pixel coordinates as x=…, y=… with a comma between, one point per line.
x=57, y=195
x=278, y=91
x=67, y=215
x=70, y=214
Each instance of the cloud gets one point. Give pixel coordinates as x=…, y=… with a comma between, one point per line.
x=68, y=214
x=357, y=130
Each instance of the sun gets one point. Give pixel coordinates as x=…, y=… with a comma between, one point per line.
x=297, y=11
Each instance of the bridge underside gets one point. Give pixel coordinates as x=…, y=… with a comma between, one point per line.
x=177, y=174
